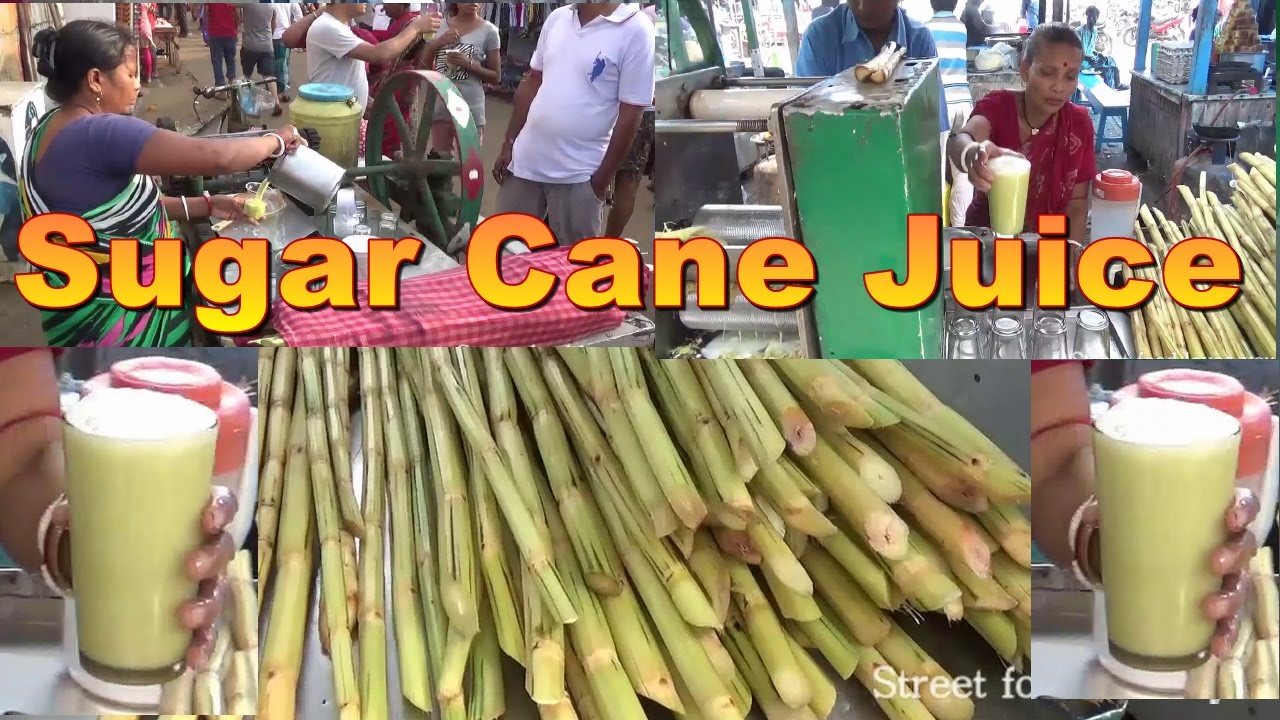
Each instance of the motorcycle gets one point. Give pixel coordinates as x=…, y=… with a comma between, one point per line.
x=1174, y=29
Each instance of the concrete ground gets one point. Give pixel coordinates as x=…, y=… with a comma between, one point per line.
x=171, y=97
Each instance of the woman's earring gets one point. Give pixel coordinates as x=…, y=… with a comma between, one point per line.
x=98, y=100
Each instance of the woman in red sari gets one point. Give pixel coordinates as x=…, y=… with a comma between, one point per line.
x=415, y=58
x=1042, y=124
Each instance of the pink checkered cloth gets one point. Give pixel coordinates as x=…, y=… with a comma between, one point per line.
x=443, y=310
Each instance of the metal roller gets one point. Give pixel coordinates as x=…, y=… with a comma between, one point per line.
x=737, y=103
x=741, y=316
x=737, y=226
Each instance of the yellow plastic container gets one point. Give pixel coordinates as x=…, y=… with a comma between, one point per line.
x=333, y=111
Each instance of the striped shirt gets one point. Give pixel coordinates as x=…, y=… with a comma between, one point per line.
x=950, y=36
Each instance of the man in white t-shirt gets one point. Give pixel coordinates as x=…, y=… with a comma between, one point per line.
x=336, y=55
x=576, y=115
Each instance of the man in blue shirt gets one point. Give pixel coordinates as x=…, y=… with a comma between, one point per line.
x=855, y=32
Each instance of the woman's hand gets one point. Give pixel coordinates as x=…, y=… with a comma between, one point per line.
x=979, y=174
x=230, y=207
x=292, y=138
x=427, y=23
x=459, y=59
x=1231, y=561
x=208, y=565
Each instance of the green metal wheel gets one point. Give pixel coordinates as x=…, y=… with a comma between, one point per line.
x=440, y=195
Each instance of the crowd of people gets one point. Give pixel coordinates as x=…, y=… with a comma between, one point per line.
x=571, y=138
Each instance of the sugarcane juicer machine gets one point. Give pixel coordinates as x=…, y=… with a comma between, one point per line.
x=854, y=159
x=438, y=195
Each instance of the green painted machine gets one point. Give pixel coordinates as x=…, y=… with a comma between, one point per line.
x=439, y=196
x=851, y=161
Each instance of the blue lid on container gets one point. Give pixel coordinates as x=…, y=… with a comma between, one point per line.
x=326, y=92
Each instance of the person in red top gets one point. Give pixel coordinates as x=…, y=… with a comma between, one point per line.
x=1062, y=482
x=31, y=483
x=1042, y=124
x=223, y=22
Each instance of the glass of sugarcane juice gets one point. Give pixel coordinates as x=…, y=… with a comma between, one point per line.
x=139, y=471
x=1165, y=474
x=1007, y=197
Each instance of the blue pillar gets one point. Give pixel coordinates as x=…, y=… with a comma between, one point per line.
x=1144, y=35
x=1205, y=23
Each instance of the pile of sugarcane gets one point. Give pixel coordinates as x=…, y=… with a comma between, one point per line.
x=228, y=686
x=1246, y=329
x=685, y=532
x=1250, y=669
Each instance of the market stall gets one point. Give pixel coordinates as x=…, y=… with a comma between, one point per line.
x=339, y=191
x=1194, y=94
x=563, y=528
x=816, y=135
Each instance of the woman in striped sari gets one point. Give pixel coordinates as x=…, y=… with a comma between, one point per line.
x=90, y=158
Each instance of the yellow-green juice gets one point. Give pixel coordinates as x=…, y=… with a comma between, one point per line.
x=139, y=474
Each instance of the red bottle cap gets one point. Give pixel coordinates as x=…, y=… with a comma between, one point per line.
x=192, y=380
x=1221, y=392
x=1117, y=186
x=1218, y=391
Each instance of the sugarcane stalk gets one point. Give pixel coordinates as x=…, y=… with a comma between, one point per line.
x=207, y=698
x=955, y=533
x=276, y=423
x=602, y=388
x=454, y=534
x=864, y=569
x=532, y=547
x=756, y=674
x=241, y=685
x=745, y=409
x=545, y=635
x=660, y=450
x=823, y=700
x=339, y=439
x=883, y=681
x=852, y=445
x=487, y=699
x=865, y=512
x=410, y=626
x=319, y=442
x=998, y=630
x=769, y=638
x=832, y=640
x=1011, y=529
x=937, y=688
x=789, y=417
x=586, y=529
x=779, y=558
x=375, y=374
x=943, y=474
x=611, y=494
x=287, y=622
x=852, y=607
x=778, y=483
x=712, y=574
x=1266, y=608
x=926, y=580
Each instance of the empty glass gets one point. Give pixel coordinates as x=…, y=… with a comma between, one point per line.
x=1093, y=337
x=362, y=212
x=1008, y=338
x=964, y=337
x=1049, y=336
x=389, y=226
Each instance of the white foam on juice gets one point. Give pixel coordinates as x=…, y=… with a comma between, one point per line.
x=133, y=414
x=1009, y=165
x=1165, y=422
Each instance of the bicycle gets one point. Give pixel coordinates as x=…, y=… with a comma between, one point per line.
x=242, y=111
